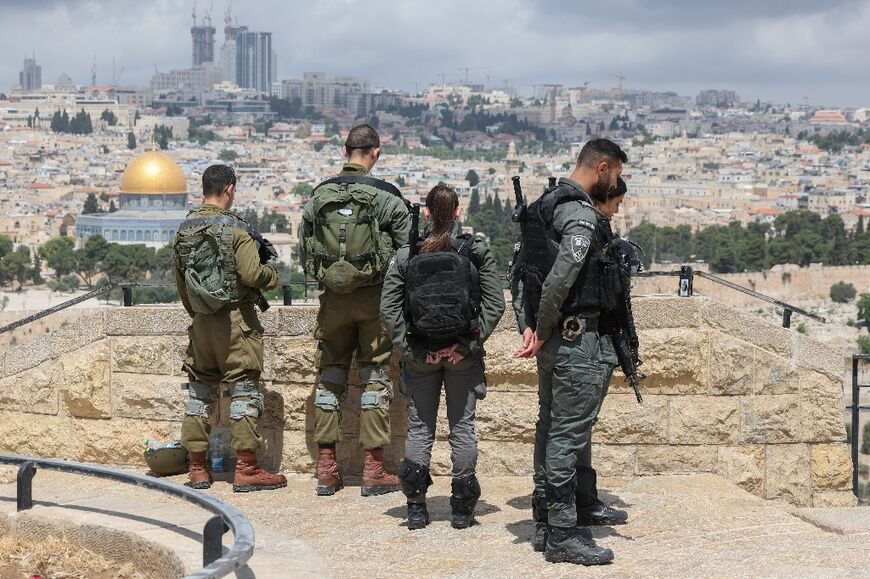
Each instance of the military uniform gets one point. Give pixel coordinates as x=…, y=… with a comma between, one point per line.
x=573, y=371
x=464, y=384
x=349, y=324
x=225, y=347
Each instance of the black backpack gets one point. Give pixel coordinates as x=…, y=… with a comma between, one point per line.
x=442, y=293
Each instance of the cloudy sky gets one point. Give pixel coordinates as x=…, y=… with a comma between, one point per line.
x=780, y=50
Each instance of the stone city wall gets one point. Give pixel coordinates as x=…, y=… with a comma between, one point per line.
x=725, y=393
x=783, y=282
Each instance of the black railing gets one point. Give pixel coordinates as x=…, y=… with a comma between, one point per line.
x=855, y=407
x=686, y=289
x=227, y=518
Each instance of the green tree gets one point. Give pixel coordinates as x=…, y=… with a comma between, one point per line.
x=162, y=134
x=842, y=292
x=15, y=266
x=131, y=140
x=112, y=207
x=90, y=257
x=864, y=344
x=228, y=155
x=302, y=190
x=865, y=439
x=59, y=255
x=91, y=206
x=864, y=309
x=474, y=202
x=6, y=245
x=109, y=117
x=472, y=178
x=127, y=263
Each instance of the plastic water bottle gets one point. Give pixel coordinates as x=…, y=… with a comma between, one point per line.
x=218, y=452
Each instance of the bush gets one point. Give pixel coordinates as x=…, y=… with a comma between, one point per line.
x=865, y=439
x=801, y=329
x=864, y=344
x=843, y=293
x=864, y=471
x=65, y=284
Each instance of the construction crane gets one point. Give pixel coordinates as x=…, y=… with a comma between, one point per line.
x=467, y=68
x=94, y=72
x=621, y=78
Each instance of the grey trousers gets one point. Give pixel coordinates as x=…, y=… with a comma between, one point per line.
x=464, y=383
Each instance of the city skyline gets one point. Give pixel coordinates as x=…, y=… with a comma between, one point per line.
x=676, y=46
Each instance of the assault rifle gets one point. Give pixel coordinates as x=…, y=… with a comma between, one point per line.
x=414, y=237
x=520, y=206
x=624, y=335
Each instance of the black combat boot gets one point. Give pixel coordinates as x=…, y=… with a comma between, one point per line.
x=590, y=509
x=463, y=499
x=571, y=545
x=418, y=516
x=415, y=480
x=539, y=514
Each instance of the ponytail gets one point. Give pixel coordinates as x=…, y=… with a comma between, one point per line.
x=441, y=203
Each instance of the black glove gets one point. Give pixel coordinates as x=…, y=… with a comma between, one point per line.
x=266, y=251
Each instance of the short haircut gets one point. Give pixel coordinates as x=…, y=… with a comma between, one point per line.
x=362, y=138
x=618, y=191
x=598, y=151
x=217, y=178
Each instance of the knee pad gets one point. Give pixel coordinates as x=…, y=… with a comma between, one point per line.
x=201, y=400
x=375, y=400
x=415, y=478
x=562, y=494
x=326, y=399
x=373, y=375
x=246, y=400
x=465, y=487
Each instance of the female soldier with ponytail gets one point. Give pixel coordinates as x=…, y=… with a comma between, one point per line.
x=442, y=298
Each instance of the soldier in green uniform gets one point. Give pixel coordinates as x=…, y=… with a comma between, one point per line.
x=561, y=288
x=219, y=275
x=351, y=229
x=442, y=299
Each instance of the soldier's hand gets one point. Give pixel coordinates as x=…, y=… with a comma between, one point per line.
x=528, y=339
x=536, y=346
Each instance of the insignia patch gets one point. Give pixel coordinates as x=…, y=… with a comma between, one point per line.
x=347, y=212
x=579, y=247
x=587, y=224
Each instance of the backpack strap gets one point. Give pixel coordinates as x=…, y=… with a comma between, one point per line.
x=362, y=180
x=222, y=220
x=462, y=245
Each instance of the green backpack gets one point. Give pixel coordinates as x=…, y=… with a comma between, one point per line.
x=347, y=247
x=202, y=254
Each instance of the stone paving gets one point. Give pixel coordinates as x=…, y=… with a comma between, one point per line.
x=680, y=526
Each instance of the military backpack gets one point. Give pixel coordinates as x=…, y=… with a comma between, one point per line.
x=442, y=293
x=347, y=247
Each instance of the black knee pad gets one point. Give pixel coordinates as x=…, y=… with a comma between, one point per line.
x=466, y=487
x=415, y=478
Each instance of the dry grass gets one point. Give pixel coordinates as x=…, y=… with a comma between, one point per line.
x=59, y=558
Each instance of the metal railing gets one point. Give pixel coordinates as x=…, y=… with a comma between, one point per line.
x=856, y=407
x=686, y=289
x=227, y=518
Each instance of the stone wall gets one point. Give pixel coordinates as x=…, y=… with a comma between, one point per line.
x=725, y=393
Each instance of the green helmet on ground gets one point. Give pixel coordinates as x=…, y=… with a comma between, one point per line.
x=166, y=460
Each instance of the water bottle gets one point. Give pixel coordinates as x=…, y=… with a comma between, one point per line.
x=217, y=453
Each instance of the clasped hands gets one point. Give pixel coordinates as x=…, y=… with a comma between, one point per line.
x=450, y=353
x=532, y=344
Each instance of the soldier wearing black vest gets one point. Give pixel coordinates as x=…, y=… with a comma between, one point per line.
x=562, y=283
x=442, y=298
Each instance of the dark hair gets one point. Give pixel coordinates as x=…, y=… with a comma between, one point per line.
x=441, y=203
x=362, y=138
x=618, y=191
x=217, y=178
x=600, y=150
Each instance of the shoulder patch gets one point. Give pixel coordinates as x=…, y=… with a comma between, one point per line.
x=579, y=247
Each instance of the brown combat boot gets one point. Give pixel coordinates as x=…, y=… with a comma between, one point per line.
x=198, y=473
x=375, y=480
x=328, y=476
x=250, y=477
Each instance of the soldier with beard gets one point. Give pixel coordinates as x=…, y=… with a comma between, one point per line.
x=560, y=282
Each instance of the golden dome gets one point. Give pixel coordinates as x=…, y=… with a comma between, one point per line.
x=153, y=172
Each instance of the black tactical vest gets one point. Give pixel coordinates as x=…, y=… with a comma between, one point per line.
x=594, y=289
x=442, y=294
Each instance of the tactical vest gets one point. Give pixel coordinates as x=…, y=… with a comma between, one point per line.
x=442, y=294
x=597, y=283
x=347, y=247
x=204, y=254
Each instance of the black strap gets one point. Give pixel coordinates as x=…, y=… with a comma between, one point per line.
x=222, y=220
x=362, y=180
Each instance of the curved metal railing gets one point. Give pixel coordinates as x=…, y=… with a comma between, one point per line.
x=227, y=518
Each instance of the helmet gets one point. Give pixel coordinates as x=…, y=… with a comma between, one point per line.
x=166, y=461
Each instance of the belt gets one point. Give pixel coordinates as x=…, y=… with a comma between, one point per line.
x=574, y=326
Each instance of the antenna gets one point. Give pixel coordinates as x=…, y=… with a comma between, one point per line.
x=194, y=12
x=94, y=72
x=467, y=68
x=621, y=78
